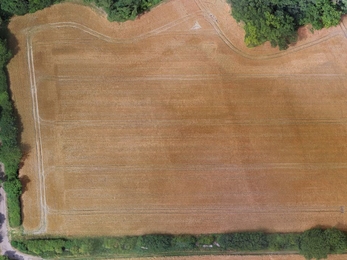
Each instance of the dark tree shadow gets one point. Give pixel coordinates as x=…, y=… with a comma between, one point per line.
x=24, y=180
x=25, y=149
x=12, y=41
x=13, y=255
x=2, y=174
x=2, y=220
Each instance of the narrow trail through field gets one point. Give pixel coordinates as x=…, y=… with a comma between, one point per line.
x=42, y=190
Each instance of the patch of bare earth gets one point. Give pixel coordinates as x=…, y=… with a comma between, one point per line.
x=169, y=124
x=238, y=257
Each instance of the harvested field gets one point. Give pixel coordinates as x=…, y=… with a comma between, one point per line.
x=168, y=124
x=238, y=257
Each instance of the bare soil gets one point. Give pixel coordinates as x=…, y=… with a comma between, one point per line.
x=263, y=257
x=169, y=124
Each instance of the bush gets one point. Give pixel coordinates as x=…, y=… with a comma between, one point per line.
x=154, y=243
x=279, y=242
x=14, y=211
x=313, y=243
x=248, y=241
x=224, y=240
x=205, y=239
x=20, y=245
x=46, y=246
x=184, y=242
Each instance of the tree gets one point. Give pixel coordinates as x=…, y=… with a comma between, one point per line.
x=278, y=20
x=5, y=54
x=336, y=240
x=331, y=15
x=313, y=244
x=18, y=7
x=35, y=5
x=123, y=10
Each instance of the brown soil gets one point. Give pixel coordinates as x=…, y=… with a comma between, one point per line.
x=150, y=126
x=263, y=257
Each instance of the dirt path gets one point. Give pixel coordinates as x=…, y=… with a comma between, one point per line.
x=5, y=245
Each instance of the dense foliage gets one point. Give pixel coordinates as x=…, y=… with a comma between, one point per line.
x=318, y=243
x=117, y=10
x=20, y=7
x=313, y=243
x=10, y=153
x=122, y=10
x=278, y=20
x=245, y=241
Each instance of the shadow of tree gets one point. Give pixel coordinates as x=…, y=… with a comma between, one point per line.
x=12, y=41
x=25, y=149
x=13, y=255
x=2, y=173
x=2, y=220
x=24, y=180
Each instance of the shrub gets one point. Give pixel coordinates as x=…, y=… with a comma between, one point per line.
x=206, y=239
x=278, y=242
x=154, y=243
x=184, y=241
x=249, y=241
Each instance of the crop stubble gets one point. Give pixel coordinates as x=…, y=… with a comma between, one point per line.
x=149, y=126
x=239, y=257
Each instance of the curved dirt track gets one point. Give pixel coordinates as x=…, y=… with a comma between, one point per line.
x=235, y=147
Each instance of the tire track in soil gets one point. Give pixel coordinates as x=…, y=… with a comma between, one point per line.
x=43, y=220
x=203, y=12
x=233, y=47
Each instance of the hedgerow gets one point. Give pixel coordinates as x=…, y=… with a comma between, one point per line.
x=10, y=154
x=314, y=243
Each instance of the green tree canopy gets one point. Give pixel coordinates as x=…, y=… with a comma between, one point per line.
x=336, y=240
x=278, y=20
x=317, y=243
x=18, y=7
x=5, y=54
x=184, y=241
x=122, y=10
x=154, y=242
